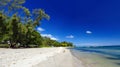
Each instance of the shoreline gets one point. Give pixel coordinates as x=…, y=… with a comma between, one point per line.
x=63, y=59
x=38, y=57
x=93, y=59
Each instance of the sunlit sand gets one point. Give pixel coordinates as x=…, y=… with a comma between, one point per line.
x=38, y=57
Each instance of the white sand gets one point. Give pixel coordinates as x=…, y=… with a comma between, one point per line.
x=38, y=57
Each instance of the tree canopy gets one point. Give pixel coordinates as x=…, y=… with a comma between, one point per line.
x=18, y=30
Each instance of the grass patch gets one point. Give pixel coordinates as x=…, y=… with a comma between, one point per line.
x=4, y=46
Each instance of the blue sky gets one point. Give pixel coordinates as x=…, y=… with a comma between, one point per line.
x=83, y=22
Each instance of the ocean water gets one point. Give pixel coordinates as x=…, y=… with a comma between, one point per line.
x=106, y=56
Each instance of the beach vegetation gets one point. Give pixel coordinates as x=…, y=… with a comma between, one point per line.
x=18, y=26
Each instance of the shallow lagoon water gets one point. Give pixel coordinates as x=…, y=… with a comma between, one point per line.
x=98, y=56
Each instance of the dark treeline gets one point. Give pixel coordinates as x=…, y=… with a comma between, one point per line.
x=17, y=26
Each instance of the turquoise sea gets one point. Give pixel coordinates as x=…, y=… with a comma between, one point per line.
x=102, y=56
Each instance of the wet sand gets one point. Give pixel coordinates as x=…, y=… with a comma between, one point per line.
x=91, y=59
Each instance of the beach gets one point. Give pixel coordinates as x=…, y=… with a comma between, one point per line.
x=60, y=57
x=38, y=57
x=108, y=56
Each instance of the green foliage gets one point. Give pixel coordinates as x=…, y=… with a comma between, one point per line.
x=66, y=44
x=27, y=12
x=39, y=14
x=4, y=46
x=17, y=32
x=4, y=2
x=3, y=27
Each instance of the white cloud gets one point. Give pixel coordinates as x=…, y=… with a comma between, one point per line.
x=70, y=36
x=88, y=32
x=40, y=29
x=50, y=36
